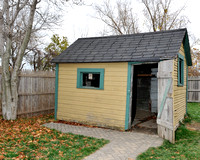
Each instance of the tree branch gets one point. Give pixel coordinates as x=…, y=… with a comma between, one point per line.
x=26, y=39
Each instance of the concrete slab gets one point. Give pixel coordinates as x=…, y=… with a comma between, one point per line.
x=135, y=122
x=149, y=124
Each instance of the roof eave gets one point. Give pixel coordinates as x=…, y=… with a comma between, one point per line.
x=186, y=45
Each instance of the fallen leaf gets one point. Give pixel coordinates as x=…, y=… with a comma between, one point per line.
x=1, y=157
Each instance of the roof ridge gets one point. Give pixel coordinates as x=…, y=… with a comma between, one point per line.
x=127, y=35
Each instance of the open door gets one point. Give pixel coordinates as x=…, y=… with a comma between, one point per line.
x=144, y=95
x=165, y=101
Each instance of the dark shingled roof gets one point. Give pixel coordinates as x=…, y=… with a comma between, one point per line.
x=142, y=47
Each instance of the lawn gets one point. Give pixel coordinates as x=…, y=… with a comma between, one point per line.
x=194, y=111
x=27, y=139
x=187, y=144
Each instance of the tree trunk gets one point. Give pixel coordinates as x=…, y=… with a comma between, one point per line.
x=10, y=77
x=1, y=33
x=9, y=106
x=9, y=87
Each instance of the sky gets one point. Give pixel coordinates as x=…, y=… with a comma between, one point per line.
x=80, y=21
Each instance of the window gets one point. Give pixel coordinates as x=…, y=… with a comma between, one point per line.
x=180, y=70
x=90, y=78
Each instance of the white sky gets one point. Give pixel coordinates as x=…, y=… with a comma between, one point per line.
x=78, y=21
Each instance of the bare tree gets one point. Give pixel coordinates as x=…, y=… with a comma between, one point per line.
x=120, y=20
x=194, y=70
x=41, y=59
x=43, y=20
x=20, y=19
x=10, y=79
x=36, y=59
x=159, y=15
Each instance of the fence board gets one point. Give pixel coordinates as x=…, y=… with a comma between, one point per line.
x=36, y=93
x=193, y=89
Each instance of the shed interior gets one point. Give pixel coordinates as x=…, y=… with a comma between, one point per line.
x=144, y=96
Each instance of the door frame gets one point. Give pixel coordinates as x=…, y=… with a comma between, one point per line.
x=129, y=93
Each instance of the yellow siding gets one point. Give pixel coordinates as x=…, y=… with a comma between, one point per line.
x=98, y=107
x=179, y=94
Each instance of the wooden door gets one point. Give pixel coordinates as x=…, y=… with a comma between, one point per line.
x=165, y=101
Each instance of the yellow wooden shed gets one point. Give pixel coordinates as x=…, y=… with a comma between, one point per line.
x=111, y=81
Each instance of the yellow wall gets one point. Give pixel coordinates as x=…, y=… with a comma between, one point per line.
x=98, y=107
x=179, y=94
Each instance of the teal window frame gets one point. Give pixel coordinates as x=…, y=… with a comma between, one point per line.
x=180, y=69
x=80, y=72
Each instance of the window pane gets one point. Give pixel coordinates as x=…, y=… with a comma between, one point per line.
x=180, y=71
x=91, y=80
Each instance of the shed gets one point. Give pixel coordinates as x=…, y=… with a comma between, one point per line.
x=110, y=81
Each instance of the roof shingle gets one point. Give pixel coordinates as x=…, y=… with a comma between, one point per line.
x=141, y=47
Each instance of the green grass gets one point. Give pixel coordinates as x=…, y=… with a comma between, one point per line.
x=187, y=144
x=194, y=111
x=27, y=139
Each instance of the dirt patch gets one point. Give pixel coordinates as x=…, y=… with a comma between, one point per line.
x=84, y=125
x=137, y=128
x=152, y=131
x=147, y=125
x=76, y=124
x=194, y=126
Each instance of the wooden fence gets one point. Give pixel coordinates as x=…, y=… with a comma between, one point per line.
x=193, y=89
x=36, y=93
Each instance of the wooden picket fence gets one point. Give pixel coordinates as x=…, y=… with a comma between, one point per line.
x=36, y=93
x=193, y=89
